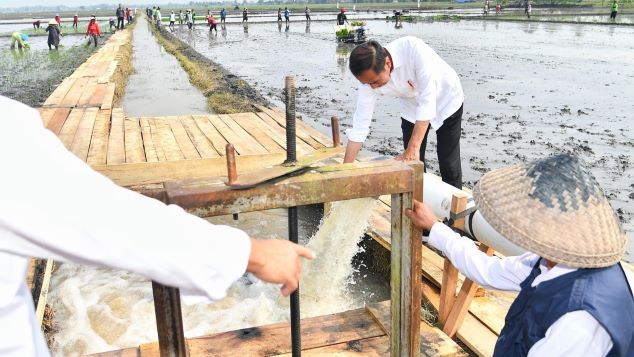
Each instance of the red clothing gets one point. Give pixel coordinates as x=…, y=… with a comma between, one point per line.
x=58, y=19
x=127, y=13
x=93, y=29
x=75, y=19
x=210, y=20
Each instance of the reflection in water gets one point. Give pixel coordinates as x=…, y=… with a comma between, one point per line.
x=288, y=27
x=223, y=31
x=246, y=30
x=342, y=53
x=279, y=26
x=307, y=27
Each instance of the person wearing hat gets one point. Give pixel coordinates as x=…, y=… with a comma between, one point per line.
x=341, y=17
x=574, y=297
x=429, y=95
x=70, y=219
x=19, y=39
x=54, y=33
x=75, y=21
x=93, y=30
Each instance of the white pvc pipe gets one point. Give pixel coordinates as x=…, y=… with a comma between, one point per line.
x=438, y=194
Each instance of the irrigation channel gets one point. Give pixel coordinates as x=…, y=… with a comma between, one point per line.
x=531, y=89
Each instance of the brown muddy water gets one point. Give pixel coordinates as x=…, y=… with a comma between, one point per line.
x=532, y=89
x=159, y=86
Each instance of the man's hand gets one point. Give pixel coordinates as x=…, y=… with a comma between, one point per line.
x=422, y=216
x=278, y=262
x=409, y=155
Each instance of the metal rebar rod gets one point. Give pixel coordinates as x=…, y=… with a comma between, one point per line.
x=334, y=123
x=293, y=234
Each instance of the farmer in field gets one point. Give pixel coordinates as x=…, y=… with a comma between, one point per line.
x=75, y=21
x=54, y=34
x=58, y=19
x=245, y=15
x=287, y=15
x=19, y=39
x=93, y=31
x=614, y=10
x=574, y=296
x=223, y=15
x=172, y=20
x=341, y=17
x=120, y=14
x=67, y=224
x=189, y=19
x=429, y=93
x=211, y=22
x=279, y=14
x=36, y=25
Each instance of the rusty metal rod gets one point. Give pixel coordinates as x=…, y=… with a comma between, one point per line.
x=169, y=321
x=334, y=124
x=293, y=233
x=232, y=171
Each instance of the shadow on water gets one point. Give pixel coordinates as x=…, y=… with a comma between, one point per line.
x=159, y=85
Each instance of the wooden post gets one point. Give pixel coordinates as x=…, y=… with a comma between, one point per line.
x=334, y=123
x=450, y=273
x=406, y=264
x=169, y=321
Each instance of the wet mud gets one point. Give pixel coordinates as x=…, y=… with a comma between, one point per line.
x=532, y=89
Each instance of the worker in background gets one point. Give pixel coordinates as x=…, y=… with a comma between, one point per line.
x=307, y=12
x=19, y=39
x=614, y=10
x=120, y=14
x=341, y=17
x=158, y=16
x=172, y=20
x=36, y=25
x=429, y=93
x=574, y=296
x=92, y=32
x=54, y=34
x=193, y=17
x=58, y=19
x=82, y=217
x=245, y=15
x=287, y=15
x=189, y=19
x=112, y=23
x=75, y=21
x=181, y=17
x=211, y=20
x=223, y=15
x=279, y=14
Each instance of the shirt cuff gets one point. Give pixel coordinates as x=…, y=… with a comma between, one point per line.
x=357, y=135
x=425, y=113
x=439, y=235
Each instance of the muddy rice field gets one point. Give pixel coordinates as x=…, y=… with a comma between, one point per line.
x=532, y=89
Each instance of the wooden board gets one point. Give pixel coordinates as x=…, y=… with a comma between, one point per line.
x=46, y=114
x=242, y=145
x=279, y=134
x=156, y=140
x=309, y=134
x=108, y=97
x=203, y=146
x=81, y=142
x=87, y=93
x=148, y=144
x=305, y=137
x=74, y=93
x=184, y=142
x=67, y=133
x=243, y=134
x=98, y=151
x=98, y=95
x=314, y=133
x=249, y=122
x=134, y=151
x=57, y=120
x=211, y=133
x=166, y=140
x=116, y=143
x=59, y=93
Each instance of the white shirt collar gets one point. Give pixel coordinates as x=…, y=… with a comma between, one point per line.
x=552, y=273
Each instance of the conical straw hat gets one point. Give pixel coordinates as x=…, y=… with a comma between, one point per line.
x=555, y=208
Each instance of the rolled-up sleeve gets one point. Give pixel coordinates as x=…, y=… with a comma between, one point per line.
x=55, y=206
x=362, y=115
x=426, y=98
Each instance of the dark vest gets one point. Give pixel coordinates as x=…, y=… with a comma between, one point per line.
x=603, y=292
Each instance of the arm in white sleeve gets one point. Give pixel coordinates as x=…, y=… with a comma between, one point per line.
x=366, y=99
x=488, y=271
x=576, y=333
x=426, y=82
x=55, y=206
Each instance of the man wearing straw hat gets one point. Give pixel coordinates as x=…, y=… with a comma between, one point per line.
x=574, y=297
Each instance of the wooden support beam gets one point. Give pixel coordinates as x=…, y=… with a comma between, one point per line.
x=169, y=321
x=450, y=273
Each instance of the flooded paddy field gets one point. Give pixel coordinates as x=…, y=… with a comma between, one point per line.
x=31, y=75
x=532, y=89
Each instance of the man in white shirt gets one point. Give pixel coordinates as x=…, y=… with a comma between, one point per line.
x=54, y=206
x=429, y=92
x=574, y=297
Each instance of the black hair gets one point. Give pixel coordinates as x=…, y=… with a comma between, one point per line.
x=368, y=55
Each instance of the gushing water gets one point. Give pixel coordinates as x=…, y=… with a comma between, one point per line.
x=99, y=309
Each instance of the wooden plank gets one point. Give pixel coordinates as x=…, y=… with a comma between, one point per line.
x=433, y=342
x=242, y=148
x=184, y=142
x=305, y=137
x=156, y=140
x=320, y=137
x=369, y=347
x=211, y=133
x=81, y=142
x=58, y=119
x=279, y=135
x=148, y=143
x=41, y=301
x=116, y=140
x=74, y=93
x=128, y=352
x=98, y=96
x=166, y=140
x=472, y=333
x=108, y=97
x=241, y=135
x=67, y=134
x=249, y=122
x=87, y=93
x=98, y=152
x=133, y=141
x=203, y=146
x=46, y=114
x=59, y=93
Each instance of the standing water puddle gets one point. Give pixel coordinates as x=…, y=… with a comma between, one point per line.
x=159, y=86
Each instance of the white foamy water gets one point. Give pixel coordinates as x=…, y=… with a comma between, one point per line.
x=99, y=309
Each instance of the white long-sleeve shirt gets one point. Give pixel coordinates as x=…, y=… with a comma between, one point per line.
x=54, y=206
x=576, y=333
x=428, y=88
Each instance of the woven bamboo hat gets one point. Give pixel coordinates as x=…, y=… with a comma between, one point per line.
x=555, y=208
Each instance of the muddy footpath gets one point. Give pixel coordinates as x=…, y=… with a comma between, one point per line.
x=532, y=89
